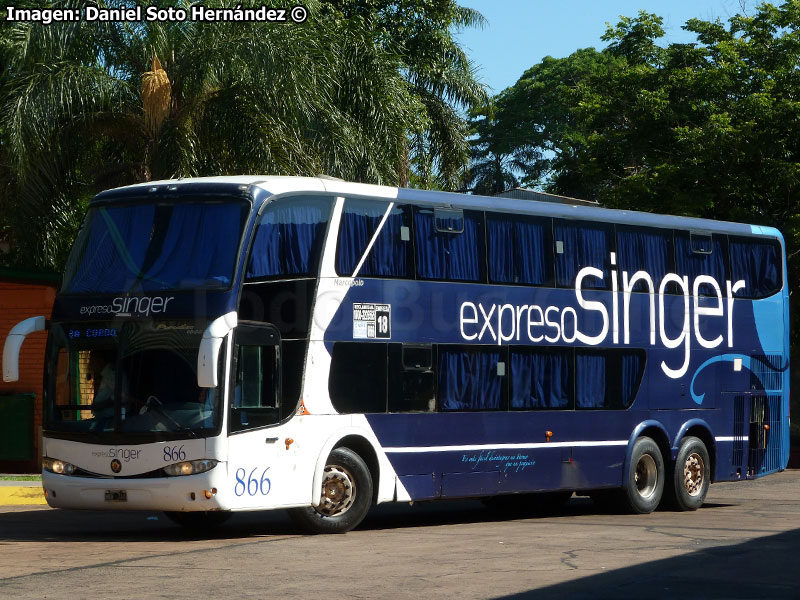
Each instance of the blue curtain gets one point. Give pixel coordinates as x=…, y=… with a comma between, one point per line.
x=357, y=228
x=631, y=374
x=585, y=245
x=289, y=238
x=590, y=380
x=360, y=220
x=468, y=380
x=518, y=250
x=116, y=242
x=695, y=263
x=540, y=379
x=758, y=264
x=443, y=255
x=196, y=244
x=644, y=250
x=199, y=247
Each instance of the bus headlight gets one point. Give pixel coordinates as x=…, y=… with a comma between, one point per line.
x=57, y=466
x=190, y=467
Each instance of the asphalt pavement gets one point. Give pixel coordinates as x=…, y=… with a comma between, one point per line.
x=743, y=543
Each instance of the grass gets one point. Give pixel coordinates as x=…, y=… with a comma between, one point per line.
x=20, y=477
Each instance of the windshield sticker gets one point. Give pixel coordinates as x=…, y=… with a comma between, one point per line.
x=372, y=321
x=127, y=306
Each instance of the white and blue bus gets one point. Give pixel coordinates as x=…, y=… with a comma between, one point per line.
x=253, y=343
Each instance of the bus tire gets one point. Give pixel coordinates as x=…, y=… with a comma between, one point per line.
x=346, y=496
x=198, y=520
x=644, y=481
x=691, y=477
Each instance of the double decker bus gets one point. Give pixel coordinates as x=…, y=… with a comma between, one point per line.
x=253, y=343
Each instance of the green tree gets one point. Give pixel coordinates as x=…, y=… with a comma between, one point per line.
x=439, y=76
x=708, y=128
x=87, y=106
x=497, y=157
x=541, y=111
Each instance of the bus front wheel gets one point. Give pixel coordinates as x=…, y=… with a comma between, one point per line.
x=691, y=475
x=345, y=497
x=644, y=481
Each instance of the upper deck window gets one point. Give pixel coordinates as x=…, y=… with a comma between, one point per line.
x=145, y=247
x=520, y=249
x=289, y=238
x=377, y=227
x=582, y=244
x=645, y=249
x=701, y=254
x=758, y=263
x=449, y=248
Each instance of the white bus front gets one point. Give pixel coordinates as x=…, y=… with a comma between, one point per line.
x=126, y=424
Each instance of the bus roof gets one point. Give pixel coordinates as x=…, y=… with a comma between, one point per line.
x=282, y=185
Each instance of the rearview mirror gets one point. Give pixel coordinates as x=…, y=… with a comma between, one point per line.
x=208, y=353
x=13, y=345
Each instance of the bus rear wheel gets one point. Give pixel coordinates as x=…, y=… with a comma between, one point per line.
x=691, y=478
x=345, y=497
x=644, y=481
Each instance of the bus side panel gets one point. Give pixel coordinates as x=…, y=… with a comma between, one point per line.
x=474, y=454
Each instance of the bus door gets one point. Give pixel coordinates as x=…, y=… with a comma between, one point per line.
x=258, y=461
x=756, y=433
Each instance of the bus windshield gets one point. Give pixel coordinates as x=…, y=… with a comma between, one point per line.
x=164, y=246
x=135, y=378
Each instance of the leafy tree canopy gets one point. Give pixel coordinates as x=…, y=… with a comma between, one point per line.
x=352, y=92
x=708, y=128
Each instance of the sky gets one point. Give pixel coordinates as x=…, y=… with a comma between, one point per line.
x=520, y=33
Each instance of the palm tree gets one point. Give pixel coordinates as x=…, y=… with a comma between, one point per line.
x=439, y=76
x=496, y=160
x=88, y=106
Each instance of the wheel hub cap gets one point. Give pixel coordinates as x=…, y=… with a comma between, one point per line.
x=646, y=476
x=693, y=473
x=338, y=491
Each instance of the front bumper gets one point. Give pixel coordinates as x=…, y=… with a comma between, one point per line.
x=186, y=493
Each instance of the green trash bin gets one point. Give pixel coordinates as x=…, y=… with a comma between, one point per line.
x=16, y=427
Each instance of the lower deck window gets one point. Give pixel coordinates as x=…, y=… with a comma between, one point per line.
x=357, y=382
x=469, y=380
x=607, y=378
x=541, y=379
x=411, y=378
x=372, y=377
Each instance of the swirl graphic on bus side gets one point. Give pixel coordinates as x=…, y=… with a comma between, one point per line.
x=747, y=363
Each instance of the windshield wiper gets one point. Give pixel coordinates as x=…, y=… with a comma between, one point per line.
x=155, y=403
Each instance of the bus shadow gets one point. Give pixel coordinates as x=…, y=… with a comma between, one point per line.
x=59, y=525
x=762, y=568
x=47, y=524
x=454, y=512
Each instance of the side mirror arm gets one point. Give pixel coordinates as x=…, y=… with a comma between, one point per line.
x=13, y=345
x=208, y=353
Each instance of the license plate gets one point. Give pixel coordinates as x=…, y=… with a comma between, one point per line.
x=116, y=496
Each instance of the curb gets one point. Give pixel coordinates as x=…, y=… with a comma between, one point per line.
x=21, y=495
